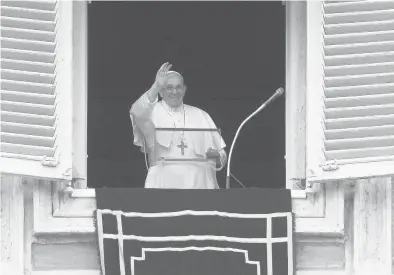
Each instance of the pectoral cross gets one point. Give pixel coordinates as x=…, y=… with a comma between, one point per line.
x=182, y=146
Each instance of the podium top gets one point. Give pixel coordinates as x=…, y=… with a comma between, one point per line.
x=190, y=129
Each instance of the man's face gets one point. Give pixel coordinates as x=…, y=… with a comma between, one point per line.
x=174, y=91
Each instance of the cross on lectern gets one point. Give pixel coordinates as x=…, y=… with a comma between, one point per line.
x=182, y=146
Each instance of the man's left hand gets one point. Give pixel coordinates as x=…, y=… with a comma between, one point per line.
x=213, y=154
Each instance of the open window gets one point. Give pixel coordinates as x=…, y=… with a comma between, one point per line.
x=44, y=95
x=76, y=211
x=232, y=60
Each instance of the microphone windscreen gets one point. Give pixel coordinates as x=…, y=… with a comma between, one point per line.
x=280, y=91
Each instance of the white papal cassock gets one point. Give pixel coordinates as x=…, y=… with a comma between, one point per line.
x=146, y=117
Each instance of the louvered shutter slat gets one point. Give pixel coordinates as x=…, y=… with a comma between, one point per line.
x=25, y=76
x=386, y=109
x=28, y=13
x=360, y=153
x=29, y=66
x=359, y=80
x=27, y=118
x=27, y=149
x=358, y=48
x=28, y=140
x=28, y=97
x=26, y=129
x=354, y=17
x=28, y=108
x=356, y=143
x=23, y=44
x=359, y=132
x=28, y=78
x=33, y=35
x=38, y=5
x=364, y=58
x=353, y=80
x=356, y=69
x=356, y=122
x=358, y=6
x=27, y=87
x=353, y=101
x=24, y=55
x=383, y=25
x=364, y=37
x=29, y=24
x=359, y=90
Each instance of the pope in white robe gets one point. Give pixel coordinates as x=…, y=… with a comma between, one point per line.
x=197, y=153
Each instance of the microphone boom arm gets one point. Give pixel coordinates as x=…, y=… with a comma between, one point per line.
x=275, y=95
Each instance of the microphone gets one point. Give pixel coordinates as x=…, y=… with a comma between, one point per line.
x=277, y=94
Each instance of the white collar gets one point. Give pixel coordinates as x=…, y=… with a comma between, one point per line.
x=172, y=110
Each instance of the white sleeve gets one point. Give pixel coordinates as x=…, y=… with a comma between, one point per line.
x=143, y=127
x=143, y=108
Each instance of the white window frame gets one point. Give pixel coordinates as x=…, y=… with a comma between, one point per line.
x=318, y=208
x=59, y=167
x=72, y=209
x=295, y=99
x=317, y=170
x=80, y=93
x=295, y=95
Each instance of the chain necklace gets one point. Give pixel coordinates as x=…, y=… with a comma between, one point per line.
x=182, y=145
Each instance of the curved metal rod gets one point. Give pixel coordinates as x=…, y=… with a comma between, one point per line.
x=278, y=92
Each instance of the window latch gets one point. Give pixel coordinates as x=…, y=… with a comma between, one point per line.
x=50, y=161
x=330, y=165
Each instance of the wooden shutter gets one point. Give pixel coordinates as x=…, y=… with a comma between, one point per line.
x=359, y=80
x=357, y=68
x=34, y=68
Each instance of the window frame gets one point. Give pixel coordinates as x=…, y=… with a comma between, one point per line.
x=295, y=95
x=295, y=100
x=316, y=210
x=80, y=94
x=71, y=210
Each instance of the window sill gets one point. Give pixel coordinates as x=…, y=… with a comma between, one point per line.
x=74, y=212
x=91, y=193
x=67, y=272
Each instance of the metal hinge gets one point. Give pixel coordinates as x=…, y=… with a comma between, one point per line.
x=330, y=165
x=67, y=175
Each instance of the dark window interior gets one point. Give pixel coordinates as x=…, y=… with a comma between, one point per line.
x=232, y=56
